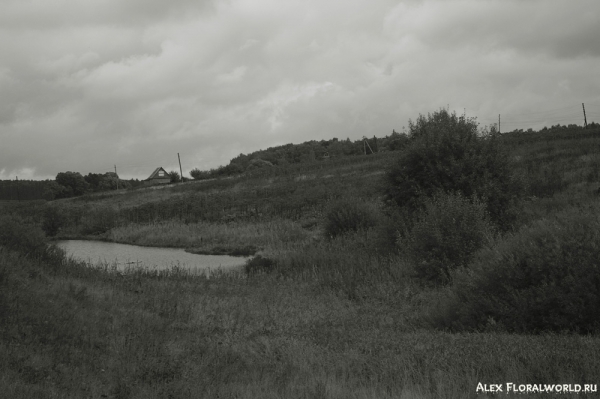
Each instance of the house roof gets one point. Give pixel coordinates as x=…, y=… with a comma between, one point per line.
x=155, y=175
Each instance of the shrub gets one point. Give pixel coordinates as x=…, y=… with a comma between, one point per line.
x=448, y=153
x=544, y=278
x=17, y=235
x=53, y=221
x=345, y=216
x=445, y=236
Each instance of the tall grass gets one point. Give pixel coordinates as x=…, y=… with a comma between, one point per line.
x=97, y=334
x=206, y=237
x=336, y=318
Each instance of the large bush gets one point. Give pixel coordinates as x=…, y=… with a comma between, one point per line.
x=449, y=154
x=349, y=215
x=445, y=236
x=544, y=278
x=29, y=240
x=53, y=221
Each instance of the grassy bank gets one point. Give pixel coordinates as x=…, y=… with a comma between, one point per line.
x=235, y=238
x=73, y=332
x=325, y=315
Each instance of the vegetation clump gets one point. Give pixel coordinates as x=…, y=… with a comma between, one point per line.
x=348, y=215
x=445, y=236
x=17, y=235
x=53, y=221
x=546, y=277
x=449, y=154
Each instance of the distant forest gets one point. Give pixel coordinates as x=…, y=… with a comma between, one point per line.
x=65, y=185
x=72, y=184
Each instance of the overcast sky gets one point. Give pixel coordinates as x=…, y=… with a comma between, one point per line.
x=86, y=85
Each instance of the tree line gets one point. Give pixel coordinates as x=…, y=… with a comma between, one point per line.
x=65, y=185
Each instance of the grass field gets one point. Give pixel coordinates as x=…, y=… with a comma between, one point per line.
x=336, y=318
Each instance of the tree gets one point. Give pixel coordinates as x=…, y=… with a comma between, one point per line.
x=53, y=190
x=448, y=154
x=175, y=178
x=198, y=174
x=94, y=180
x=73, y=182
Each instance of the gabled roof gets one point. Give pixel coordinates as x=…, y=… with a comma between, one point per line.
x=155, y=175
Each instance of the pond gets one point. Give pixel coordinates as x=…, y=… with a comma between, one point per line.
x=152, y=258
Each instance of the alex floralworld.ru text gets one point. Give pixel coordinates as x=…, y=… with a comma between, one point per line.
x=536, y=388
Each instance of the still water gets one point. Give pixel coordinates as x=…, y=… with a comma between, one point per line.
x=124, y=256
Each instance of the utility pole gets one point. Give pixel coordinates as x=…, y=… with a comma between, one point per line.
x=180, y=170
x=117, y=176
x=366, y=144
x=499, y=131
x=584, y=118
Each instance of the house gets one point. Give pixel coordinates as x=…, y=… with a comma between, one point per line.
x=159, y=176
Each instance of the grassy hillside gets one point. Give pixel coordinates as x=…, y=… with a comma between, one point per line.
x=316, y=316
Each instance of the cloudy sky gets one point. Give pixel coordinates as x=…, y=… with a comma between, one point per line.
x=86, y=85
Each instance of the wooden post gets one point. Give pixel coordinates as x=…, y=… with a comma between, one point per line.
x=180, y=170
x=584, y=118
x=117, y=176
x=367, y=143
x=499, y=123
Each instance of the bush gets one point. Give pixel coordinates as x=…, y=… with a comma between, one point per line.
x=30, y=241
x=449, y=154
x=544, y=278
x=445, y=236
x=17, y=235
x=53, y=221
x=346, y=215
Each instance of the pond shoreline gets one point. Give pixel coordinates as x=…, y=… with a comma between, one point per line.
x=242, y=252
x=124, y=254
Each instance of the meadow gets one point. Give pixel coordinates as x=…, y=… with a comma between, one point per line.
x=321, y=316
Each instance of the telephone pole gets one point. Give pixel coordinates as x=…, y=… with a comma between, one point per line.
x=584, y=118
x=117, y=176
x=499, y=131
x=180, y=170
